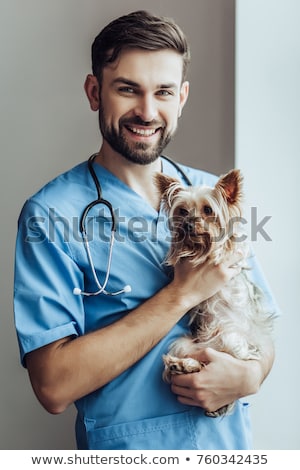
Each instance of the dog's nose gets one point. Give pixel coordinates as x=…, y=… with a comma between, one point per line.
x=189, y=226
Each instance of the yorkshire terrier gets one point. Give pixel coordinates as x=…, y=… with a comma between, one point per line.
x=205, y=225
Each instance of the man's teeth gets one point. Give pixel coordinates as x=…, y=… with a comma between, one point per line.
x=146, y=132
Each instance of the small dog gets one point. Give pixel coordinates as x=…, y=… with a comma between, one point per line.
x=205, y=225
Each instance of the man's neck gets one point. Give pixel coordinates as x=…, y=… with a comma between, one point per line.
x=137, y=177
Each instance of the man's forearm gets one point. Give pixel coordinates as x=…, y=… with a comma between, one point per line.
x=68, y=369
x=257, y=370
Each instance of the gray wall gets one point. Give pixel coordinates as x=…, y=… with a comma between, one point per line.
x=46, y=127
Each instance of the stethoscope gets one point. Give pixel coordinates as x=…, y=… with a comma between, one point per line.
x=82, y=227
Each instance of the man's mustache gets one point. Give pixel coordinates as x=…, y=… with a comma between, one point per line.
x=139, y=122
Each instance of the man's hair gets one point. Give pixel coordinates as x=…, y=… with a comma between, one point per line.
x=138, y=30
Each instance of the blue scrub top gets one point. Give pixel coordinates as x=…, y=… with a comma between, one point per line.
x=137, y=410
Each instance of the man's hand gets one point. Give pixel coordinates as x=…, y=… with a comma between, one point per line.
x=196, y=284
x=223, y=380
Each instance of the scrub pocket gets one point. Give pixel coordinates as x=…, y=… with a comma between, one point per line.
x=163, y=433
x=232, y=432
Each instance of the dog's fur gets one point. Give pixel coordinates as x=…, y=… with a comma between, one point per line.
x=205, y=227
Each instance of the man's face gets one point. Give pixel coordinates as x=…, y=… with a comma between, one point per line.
x=141, y=98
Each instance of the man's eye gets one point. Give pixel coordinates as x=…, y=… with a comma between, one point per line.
x=164, y=93
x=207, y=210
x=126, y=89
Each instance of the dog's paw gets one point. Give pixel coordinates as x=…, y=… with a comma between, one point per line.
x=223, y=411
x=179, y=365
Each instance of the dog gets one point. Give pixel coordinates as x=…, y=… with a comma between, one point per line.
x=205, y=225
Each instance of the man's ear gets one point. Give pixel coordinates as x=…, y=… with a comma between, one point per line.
x=91, y=87
x=184, y=93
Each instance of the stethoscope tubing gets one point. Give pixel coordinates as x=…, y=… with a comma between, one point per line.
x=82, y=226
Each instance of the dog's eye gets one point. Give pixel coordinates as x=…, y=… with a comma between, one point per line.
x=207, y=210
x=183, y=212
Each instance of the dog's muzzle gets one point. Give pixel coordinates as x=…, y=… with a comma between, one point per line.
x=189, y=226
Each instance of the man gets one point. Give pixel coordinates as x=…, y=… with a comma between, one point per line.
x=103, y=352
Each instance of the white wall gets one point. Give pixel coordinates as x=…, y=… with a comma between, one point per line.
x=267, y=151
x=46, y=127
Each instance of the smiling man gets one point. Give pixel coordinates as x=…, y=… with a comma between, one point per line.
x=104, y=352
x=142, y=108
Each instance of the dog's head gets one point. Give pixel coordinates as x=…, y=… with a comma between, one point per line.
x=203, y=220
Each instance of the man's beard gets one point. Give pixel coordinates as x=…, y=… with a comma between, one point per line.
x=135, y=152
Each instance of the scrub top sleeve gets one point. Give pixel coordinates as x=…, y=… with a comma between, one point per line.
x=45, y=307
x=257, y=276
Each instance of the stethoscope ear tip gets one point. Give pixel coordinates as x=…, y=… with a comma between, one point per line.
x=76, y=291
x=127, y=288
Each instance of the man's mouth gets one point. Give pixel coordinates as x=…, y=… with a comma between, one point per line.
x=142, y=132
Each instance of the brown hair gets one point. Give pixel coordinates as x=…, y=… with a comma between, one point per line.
x=141, y=30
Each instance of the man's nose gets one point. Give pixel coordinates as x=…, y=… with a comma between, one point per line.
x=146, y=108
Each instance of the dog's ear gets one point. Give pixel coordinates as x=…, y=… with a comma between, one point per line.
x=163, y=182
x=231, y=186
x=168, y=187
